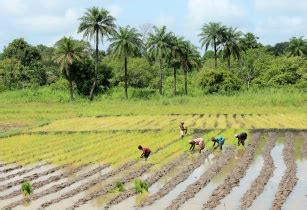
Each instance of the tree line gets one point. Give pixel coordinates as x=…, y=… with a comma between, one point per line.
x=151, y=57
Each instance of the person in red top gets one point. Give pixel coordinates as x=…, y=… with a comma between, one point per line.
x=146, y=152
x=199, y=142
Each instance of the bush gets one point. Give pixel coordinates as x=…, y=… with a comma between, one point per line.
x=218, y=81
x=26, y=188
x=119, y=187
x=140, y=186
x=145, y=93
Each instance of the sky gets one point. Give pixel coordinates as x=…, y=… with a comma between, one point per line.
x=46, y=21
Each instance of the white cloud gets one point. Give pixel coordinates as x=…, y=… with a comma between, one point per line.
x=13, y=7
x=201, y=11
x=280, y=6
x=48, y=24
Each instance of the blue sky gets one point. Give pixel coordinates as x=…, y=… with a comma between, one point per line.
x=46, y=21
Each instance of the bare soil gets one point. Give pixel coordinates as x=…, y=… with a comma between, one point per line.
x=289, y=179
x=266, y=173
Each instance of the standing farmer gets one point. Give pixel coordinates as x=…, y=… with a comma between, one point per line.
x=183, y=129
x=241, y=138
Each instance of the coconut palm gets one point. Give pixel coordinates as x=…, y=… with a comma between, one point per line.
x=297, y=47
x=212, y=35
x=96, y=24
x=68, y=51
x=190, y=59
x=231, y=44
x=125, y=43
x=175, y=57
x=159, y=47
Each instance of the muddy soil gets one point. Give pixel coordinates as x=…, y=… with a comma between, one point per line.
x=289, y=178
x=30, y=178
x=236, y=175
x=7, y=170
x=55, y=188
x=7, y=127
x=150, y=180
x=305, y=144
x=137, y=173
x=175, y=181
x=266, y=173
x=38, y=185
x=205, y=178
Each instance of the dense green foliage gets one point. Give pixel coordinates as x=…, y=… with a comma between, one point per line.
x=156, y=60
x=140, y=186
x=26, y=188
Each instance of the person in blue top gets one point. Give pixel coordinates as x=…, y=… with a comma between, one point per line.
x=220, y=140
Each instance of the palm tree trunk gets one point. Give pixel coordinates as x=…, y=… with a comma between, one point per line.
x=228, y=62
x=186, y=81
x=126, y=78
x=175, y=80
x=161, y=84
x=96, y=68
x=70, y=84
x=215, y=54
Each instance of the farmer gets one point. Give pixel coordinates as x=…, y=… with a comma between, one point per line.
x=183, y=129
x=220, y=140
x=146, y=152
x=241, y=138
x=199, y=142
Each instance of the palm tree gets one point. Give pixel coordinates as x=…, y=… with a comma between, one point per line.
x=67, y=51
x=96, y=24
x=212, y=34
x=190, y=58
x=127, y=42
x=159, y=47
x=297, y=47
x=231, y=44
x=175, y=57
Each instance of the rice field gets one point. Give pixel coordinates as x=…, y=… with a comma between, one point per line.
x=76, y=162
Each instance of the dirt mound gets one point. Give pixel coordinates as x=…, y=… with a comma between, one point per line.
x=289, y=179
x=266, y=173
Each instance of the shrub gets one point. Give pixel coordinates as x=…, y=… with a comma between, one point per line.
x=119, y=187
x=140, y=186
x=26, y=188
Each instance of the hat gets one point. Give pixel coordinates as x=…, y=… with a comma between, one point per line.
x=236, y=136
x=182, y=122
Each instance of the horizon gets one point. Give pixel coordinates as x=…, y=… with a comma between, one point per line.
x=273, y=22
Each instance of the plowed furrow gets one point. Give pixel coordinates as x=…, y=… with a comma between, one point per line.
x=88, y=184
x=205, y=178
x=10, y=169
x=169, y=186
x=38, y=185
x=150, y=181
x=111, y=186
x=236, y=175
x=21, y=172
x=289, y=179
x=55, y=188
x=305, y=145
x=30, y=178
x=266, y=173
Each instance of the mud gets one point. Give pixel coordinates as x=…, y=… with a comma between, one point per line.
x=38, y=185
x=30, y=178
x=22, y=172
x=266, y=173
x=174, y=182
x=289, y=178
x=55, y=188
x=205, y=178
x=88, y=185
x=110, y=186
x=7, y=170
x=236, y=175
x=150, y=181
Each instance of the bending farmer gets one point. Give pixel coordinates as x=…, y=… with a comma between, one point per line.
x=146, y=152
x=241, y=138
x=220, y=140
x=199, y=142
